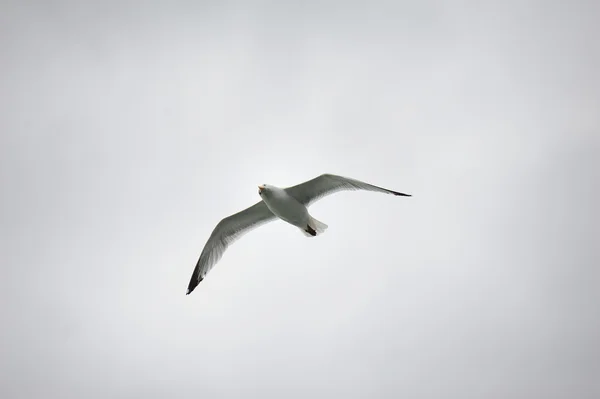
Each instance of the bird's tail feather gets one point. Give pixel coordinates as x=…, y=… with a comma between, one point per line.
x=318, y=226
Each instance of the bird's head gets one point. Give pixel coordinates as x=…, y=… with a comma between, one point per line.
x=262, y=188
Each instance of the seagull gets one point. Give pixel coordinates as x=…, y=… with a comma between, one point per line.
x=288, y=204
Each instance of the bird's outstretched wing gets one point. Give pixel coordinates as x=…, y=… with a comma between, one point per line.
x=225, y=233
x=312, y=190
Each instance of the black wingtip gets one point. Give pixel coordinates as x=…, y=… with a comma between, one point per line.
x=192, y=286
x=401, y=194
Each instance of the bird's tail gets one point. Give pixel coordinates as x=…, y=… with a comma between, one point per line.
x=314, y=227
x=319, y=226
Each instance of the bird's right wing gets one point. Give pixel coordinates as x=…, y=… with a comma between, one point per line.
x=312, y=190
x=224, y=234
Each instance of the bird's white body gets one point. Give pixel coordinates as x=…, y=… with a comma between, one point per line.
x=289, y=209
x=285, y=207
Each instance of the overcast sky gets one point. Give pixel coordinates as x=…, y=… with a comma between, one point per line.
x=128, y=130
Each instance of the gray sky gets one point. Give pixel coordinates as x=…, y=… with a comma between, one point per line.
x=129, y=130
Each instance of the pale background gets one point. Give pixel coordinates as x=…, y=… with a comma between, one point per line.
x=128, y=130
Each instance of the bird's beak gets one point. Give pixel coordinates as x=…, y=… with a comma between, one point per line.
x=260, y=188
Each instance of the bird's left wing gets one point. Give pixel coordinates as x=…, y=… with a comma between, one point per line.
x=224, y=234
x=312, y=190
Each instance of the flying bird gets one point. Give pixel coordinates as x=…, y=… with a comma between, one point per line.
x=288, y=204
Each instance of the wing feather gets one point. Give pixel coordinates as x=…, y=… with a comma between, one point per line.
x=312, y=190
x=224, y=234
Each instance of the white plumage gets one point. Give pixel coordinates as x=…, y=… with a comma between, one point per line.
x=288, y=204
